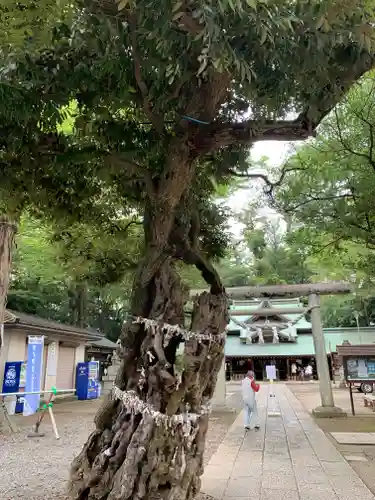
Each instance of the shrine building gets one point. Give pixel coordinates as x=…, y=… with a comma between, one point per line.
x=259, y=334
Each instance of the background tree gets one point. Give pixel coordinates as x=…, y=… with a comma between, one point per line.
x=274, y=254
x=332, y=188
x=328, y=190
x=161, y=91
x=50, y=271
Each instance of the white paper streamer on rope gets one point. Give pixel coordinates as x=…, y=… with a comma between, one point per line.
x=276, y=338
x=134, y=404
x=174, y=330
x=260, y=336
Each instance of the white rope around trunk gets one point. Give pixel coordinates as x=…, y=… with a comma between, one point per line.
x=135, y=405
x=175, y=330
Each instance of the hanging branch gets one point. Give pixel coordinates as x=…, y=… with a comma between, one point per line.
x=271, y=186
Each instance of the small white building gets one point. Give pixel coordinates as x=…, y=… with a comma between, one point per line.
x=64, y=347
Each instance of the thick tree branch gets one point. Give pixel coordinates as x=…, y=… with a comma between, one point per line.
x=219, y=135
x=185, y=249
x=325, y=100
x=185, y=21
x=188, y=24
x=209, y=274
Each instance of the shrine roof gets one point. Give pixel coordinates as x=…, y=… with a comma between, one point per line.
x=303, y=346
x=253, y=305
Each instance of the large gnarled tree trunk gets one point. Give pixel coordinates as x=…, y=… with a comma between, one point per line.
x=132, y=455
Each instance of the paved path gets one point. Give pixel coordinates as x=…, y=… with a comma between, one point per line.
x=290, y=458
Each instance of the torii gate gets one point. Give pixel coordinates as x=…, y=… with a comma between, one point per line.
x=313, y=291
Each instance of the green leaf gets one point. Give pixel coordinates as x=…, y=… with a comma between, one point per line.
x=320, y=22
x=252, y=3
x=122, y=5
x=177, y=6
x=263, y=35
x=231, y=5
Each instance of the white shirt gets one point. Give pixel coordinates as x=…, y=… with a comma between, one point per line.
x=308, y=370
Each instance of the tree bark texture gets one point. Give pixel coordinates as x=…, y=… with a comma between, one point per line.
x=7, y=233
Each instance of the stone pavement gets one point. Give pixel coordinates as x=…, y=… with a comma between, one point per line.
x=355, y=438
x=290, y=458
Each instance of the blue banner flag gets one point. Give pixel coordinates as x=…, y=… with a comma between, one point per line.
x=12, y=372
x=34, y=370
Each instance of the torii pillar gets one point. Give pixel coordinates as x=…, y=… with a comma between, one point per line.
x=327, y=408
x=219, y=400
x=313, y=291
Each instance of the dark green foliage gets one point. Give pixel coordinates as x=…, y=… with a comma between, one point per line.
x=280, y=56
x=66, y=283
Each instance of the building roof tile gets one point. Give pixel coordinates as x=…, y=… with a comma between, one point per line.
x=23, y=319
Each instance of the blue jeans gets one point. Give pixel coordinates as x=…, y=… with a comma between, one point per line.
x=251, y=415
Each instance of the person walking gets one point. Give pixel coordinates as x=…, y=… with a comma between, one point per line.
x=308, y=372
x=294, y=371
x=249, y=390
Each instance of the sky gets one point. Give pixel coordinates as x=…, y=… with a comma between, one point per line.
x=276, y=152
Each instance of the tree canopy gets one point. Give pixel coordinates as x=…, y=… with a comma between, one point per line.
x=133, y=70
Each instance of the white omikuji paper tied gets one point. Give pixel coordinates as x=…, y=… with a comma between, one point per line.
x=152, y=325
x=134, y=404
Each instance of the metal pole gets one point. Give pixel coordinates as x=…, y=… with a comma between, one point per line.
x=356, y=315
x=325, y=385
x=58, y=391
x=351, y=398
